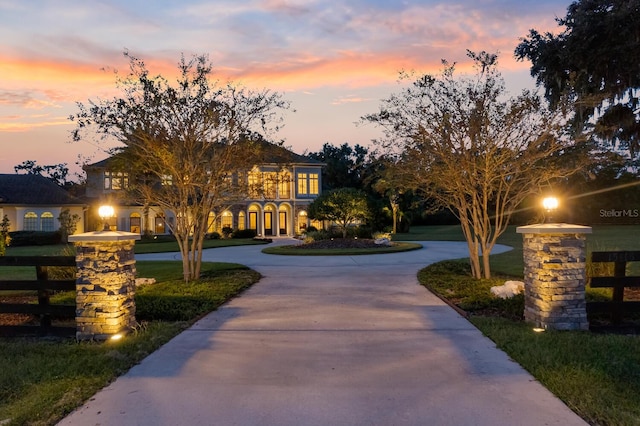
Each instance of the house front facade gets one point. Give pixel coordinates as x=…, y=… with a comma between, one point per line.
x=277, y=205
x=34, y=203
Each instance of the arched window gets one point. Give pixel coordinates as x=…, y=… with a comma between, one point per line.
x=227, y=219
x=211, y=222
x=303, y=220
x=160, y=225
x=46, y=220
x=135, y=223
x=30, y=221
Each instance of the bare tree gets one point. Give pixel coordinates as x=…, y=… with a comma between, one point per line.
x=186, y=144
x=471, y=150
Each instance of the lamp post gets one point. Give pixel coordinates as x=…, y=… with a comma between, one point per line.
x=106, y=213
x=550, y=205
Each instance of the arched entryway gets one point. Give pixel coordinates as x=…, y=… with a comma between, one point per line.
x=270, y=221
x=253, y=218
x=284, y=220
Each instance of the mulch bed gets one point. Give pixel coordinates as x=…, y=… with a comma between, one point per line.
x=341, y=243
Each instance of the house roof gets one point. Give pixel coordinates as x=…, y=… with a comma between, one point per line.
x=276, y=154
x=33, y=190
x=270, y=154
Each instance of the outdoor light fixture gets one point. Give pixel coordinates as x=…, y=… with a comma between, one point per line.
x=550, y=205
x=106, y=213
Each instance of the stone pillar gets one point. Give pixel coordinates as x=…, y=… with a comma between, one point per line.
x=554, y=275
x=105, y=284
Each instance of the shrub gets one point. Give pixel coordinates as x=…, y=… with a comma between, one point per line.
x=244, y=233
x=324, y=234
x=35, y=238
x=360, y=232
x=227, y=231
x=378, y=235
x=213, y=236
x=311, y=229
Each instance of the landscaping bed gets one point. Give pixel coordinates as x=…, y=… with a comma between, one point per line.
x=341, y=247
x=342, y=243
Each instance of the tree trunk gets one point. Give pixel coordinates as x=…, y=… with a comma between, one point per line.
x=474, y=260
x=486, y=265
x=394, y=211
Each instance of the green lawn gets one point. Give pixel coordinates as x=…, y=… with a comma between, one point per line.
x=603, y=238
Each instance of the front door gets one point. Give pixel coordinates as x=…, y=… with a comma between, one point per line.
x=268, y=223
x=283, y=223
x=253, y=221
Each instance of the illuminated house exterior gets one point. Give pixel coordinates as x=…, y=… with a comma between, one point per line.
x=33, y=203
x=289, y=183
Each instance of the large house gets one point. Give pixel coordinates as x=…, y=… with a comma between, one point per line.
x=34, y=203
x=290, y=182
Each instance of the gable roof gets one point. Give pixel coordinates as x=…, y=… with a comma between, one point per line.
x=33, y=190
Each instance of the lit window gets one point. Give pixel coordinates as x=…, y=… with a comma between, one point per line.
x=166, y=180
x=254, y=184
x=159, y=227
x=302, y=220
x=269, y=179
x=135, y=222
x=241, y=220
x=116, y=180
x=313, y=183
x=30, y=221
x=47, y=221
x=284, y=185
x=227, y=220
x=302, y=183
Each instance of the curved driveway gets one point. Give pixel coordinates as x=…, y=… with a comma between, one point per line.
x=348, y=340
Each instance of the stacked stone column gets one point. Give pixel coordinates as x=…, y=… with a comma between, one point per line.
x=555, y=275
x=105, y=283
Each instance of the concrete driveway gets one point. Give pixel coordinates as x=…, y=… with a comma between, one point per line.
x=348, y=340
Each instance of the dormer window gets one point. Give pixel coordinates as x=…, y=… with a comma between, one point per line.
x=116, y=180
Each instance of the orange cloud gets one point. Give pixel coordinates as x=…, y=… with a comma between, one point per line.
x=25, y=127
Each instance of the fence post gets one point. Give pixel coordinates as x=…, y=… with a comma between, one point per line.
x=105, y=284
x=554, y=257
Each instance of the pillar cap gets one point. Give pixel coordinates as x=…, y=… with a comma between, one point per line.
x=553, y=228
x=104, y=236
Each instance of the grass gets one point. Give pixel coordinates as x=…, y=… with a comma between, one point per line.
x=603, y=238
x=596, y=375
x=50, y=378
x=164, y=246
x=292, y=251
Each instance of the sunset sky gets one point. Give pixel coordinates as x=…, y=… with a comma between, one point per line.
x=334, y=60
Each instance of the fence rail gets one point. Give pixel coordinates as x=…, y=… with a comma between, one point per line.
x=617, y=306
x=43, y=285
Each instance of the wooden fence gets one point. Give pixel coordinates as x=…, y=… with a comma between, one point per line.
x=44, y=286
x=617, y=306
